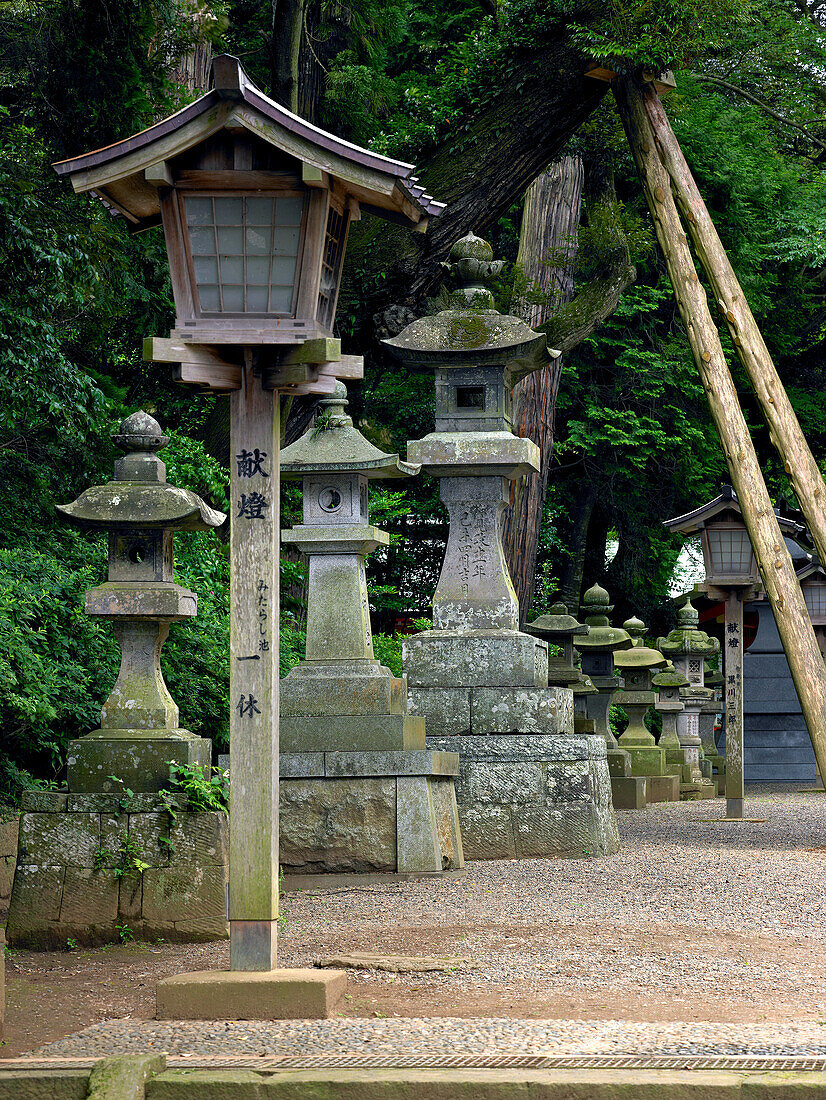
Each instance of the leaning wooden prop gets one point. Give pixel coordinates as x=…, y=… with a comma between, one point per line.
x=668, y=183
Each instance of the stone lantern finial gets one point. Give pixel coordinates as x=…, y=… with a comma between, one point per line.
x=472, y=265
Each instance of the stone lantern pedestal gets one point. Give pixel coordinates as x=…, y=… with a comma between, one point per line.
x=629, y=791
x=360, y=791
x=112, y=854
x=637, y=666
x=528, y=787
x=687, y=647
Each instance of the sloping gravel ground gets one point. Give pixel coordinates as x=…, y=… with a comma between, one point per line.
x=690, y=923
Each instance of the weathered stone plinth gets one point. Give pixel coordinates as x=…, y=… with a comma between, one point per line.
x=527, y=787
x=91, y=865
x=255, y=995
x=360, y=792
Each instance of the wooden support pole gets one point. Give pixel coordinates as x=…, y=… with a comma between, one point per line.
x=773, y=559
x=785, y=431
x=254, y=577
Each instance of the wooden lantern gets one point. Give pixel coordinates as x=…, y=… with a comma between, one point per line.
x=255, y=204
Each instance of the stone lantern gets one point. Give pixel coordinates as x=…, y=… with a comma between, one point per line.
x=637, y=666
x=669, y=705
x=597, y=649
x=688, y=647
x=139, y=732
x=527, y=787
x=559, y=629
x=359, y=790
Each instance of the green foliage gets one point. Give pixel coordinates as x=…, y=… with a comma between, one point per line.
x=205, y=790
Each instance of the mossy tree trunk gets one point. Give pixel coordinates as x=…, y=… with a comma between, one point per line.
x=547, y=253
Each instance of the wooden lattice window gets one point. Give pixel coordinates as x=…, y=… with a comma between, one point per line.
x=244, y=252
x=331, y=265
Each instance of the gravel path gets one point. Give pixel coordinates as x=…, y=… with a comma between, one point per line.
x=697, y=937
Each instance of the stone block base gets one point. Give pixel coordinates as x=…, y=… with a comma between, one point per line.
x=95, y=868
x=663, y=788
x=647, y=759
x=481, y=658
x=530, y=795
x=629, y=792
x=8, y=856
x=139, y=757
x=694, y=792
x=250, y=995
x=375, y=822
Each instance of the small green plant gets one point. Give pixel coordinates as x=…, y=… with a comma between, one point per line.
x=125, y=932
x=206, y=789
x=71, y=944
x=129, y=859
x=126, y=793
x=101, y=858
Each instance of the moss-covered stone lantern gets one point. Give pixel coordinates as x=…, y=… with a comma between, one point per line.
x=688, y=647
x=139, y=732
x=559, y=629
x=667, y=684
x=528, y=787
x=637, y=666
x=597, y=650
x=360, y=792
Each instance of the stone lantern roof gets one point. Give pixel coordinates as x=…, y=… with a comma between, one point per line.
x=596, y=604
x=139, y=495
x=336, y=446
x=687, y=638
x=669, y=678
x=557, y=622
x=639, y=656
x=472, y=333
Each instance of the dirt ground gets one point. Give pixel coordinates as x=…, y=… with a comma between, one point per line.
x=690, y=921
x=52, y=994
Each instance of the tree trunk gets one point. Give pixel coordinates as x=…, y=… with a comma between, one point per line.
x=285, y=50
x=570, y=583
x=784, y=428
x=547, y=253
x=479, y=170
x=775, y=563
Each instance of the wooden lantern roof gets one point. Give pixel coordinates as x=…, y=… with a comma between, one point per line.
x=128, y=174
x=722, y=507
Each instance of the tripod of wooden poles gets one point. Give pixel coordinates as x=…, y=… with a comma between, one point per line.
x=671, y=192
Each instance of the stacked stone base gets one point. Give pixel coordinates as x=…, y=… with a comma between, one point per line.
x=350, y=812
x=525, y=796
x=360, y=791
x=94, y=871
x=628, y=792
x=528, y=787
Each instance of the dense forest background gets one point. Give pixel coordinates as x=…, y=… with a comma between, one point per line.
x=461, y=89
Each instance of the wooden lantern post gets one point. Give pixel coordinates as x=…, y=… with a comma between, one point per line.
x=255, y=205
